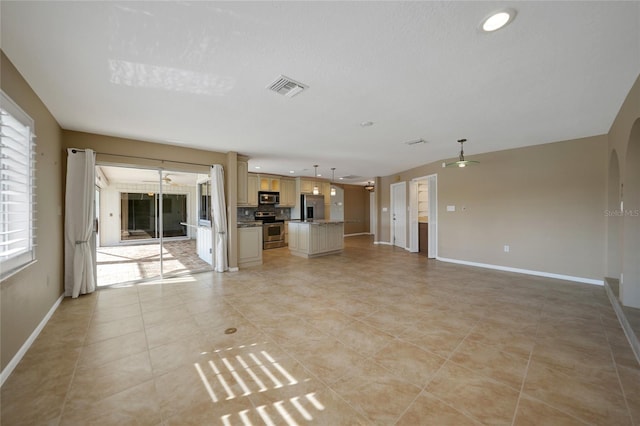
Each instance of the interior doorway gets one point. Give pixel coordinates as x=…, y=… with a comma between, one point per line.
x=148, y=224
x=423, y=217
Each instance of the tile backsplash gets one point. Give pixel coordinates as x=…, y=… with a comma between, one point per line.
x=247, y=213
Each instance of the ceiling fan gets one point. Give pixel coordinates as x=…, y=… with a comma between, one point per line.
x=461, y=161
x=166, y=179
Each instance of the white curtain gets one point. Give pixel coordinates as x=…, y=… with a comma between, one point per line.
x=79, y=275
x=219, y=215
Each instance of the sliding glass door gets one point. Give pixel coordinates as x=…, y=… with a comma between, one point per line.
x=148, y=224
x=140, y=213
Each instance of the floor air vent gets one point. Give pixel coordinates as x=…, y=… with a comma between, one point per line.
x=287, y=86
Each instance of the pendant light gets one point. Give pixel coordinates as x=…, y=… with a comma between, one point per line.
x=333, y=177
x=316, y=191
x=461, y=161
x=369, y=187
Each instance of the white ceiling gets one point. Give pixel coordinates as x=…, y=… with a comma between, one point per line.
x=194, y=74
x=147, y=176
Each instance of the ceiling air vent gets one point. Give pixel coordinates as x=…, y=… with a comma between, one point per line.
x=287, y=86
x=415, y=142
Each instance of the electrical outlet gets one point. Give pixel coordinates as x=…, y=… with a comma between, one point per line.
x=506, y=248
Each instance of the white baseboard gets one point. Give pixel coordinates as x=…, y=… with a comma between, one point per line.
x=234, y=269
x=25, y=347
x=384, y=243
x=355, y=235
x=523, y=271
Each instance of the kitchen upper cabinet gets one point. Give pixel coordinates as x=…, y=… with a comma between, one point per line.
x=306, y=186
x=287, y=192
x=269, y=183
x=252, y=190
x=325, y=190
x=243, y=172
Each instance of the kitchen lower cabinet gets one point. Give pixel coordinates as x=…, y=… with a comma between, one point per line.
x=250, y=246
x=313, y=239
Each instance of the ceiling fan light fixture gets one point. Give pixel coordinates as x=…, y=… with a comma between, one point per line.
x=369, y=187
x=461, y=161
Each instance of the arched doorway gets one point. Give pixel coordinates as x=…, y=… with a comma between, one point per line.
x=630, y=284
x=614, y=220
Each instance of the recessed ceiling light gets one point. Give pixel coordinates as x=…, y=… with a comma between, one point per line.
x=498, y=20
x=341, y=178
x=319, y=175
x=292, y=171
x=258, y=167
x=366, y=124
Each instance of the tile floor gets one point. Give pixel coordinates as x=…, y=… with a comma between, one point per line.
x=139, y=262
x=374, y=336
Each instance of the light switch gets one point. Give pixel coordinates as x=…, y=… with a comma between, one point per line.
x=384, y=209
x=451, y=208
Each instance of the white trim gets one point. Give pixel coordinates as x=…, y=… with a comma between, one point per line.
x=234, y=269
x=524, y=271
x=386, y=243
x=624, y=322
x=27, y=344
x=356, y=234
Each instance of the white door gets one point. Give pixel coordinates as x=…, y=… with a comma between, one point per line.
x=432, y=193
x=399, y=214
x=413, y=217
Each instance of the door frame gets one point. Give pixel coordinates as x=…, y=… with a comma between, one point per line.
x=432, y=185
x=392, y=235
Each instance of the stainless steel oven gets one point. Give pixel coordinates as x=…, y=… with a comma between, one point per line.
x=272, y=235
x=272, y=230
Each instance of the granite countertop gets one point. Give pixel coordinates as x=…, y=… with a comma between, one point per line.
x=317, y=221
x=249, y=224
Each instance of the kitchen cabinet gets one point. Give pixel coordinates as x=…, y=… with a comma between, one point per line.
x=313, y=239
x=286, y=232
x=269, y=183
x=243, y=173
x=306, y=187
x=250, y=246
x=287, y=192
x=247, y=185
x=325, y=189
x=252, y=190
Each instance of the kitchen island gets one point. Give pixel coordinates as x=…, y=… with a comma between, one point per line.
x=313, y=238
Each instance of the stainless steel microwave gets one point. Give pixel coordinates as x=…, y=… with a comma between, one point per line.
x=268, y=197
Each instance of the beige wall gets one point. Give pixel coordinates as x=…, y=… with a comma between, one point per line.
x=356, y=209
x=623, y=233
x=546, y=202
x=27, y=296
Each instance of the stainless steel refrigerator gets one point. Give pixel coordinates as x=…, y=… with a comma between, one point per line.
x=312, y=207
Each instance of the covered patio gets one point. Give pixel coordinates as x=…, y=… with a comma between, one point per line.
x=130, y=263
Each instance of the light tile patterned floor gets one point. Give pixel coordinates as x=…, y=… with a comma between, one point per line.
x=137, y=262
x=375, y=336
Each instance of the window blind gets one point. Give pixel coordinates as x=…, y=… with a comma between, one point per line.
x=17, y=188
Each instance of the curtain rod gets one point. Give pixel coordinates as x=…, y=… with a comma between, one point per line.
x=74, y=150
